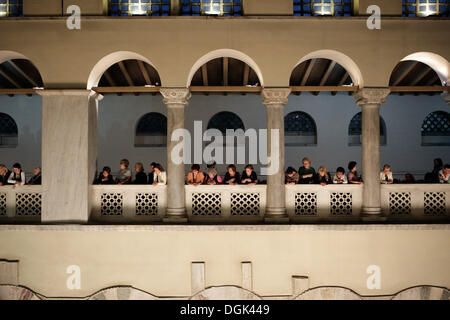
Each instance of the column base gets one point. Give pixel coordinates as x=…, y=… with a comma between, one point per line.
x=276, y=215
x=176, y=215
x=371, y=214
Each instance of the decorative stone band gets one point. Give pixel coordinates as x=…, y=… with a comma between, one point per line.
x=175, y=96
x=371, y=96
x=275, y=96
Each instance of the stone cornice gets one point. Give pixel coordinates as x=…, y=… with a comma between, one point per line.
x=175, y=95
x=275, y=96
x=371, y=96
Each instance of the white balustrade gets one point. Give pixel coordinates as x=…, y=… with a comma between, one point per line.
x=20, y=204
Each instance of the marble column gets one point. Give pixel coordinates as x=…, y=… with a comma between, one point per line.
x=69, y=154
x=175, y=100
x=370, y=100
x=275, y=99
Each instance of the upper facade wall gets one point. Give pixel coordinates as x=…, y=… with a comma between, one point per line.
x=65, y=58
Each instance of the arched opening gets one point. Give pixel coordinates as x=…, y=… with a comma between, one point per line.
x=151, y=131
x=17, y=72
x=300, y=129
x=8, y=131
x=132, y=121
x=224, y=121
x=355, y=131
x=436, y=129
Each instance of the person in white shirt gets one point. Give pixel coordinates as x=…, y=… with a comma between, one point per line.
x=159, y=175
x=444, y=174
x=17, y=177
x=340, y=177
x=386, y=176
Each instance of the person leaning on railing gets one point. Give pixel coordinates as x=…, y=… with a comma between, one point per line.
x=386, y=176
x=249, y=176
x=212, y=177
x=291, y=176
x=159, y=175
x=17, y=177
x=141, y=177
x=232, y=176
x=352, y=175
x=306, y=173
x=340, y=177
x=195, y=177
x=4, y=175
x=124, y=176
x=444, y=174
x=36, y=179
x=322, y=177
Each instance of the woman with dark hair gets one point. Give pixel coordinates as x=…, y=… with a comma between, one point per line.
x=150, y=175
x=159, y=175
x=195, y=177
x=249, y=177
x=17, y=177
x=291, y=176
x=438, y=166
x=352, y=175
x=232, y=176
x=105, y=177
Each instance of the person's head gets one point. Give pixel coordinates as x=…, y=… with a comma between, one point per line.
x=306, y=163
x=291, y=171
x=152, y=165
x=17, y=168
x=447, y=169
x=340, y=172
x=139, y=167
x=158, y=168
x=106, y=171
x=322, y=171
x=3, y=169
x=249, y=169
x=438, y=163
x=352, y=167
x=211, y=173
x=409, y=178
x=211, y=165
x=386, y=168
x=231, y=169
x=195, y=168
x=36, y=171
x=124, y=163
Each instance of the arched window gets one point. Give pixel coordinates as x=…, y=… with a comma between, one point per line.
x=8, y=132
x=323, y=8
x=151, y=131
x=300, y=129
x=139, y=7
x=355, y=131
x=11, y=8
x=225, y=120
x=211, y=7
x=436, y=129
x=425, y=8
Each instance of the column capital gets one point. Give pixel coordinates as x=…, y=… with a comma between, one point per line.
x=175, y=95
x=446, y=97
x=371, y=96
x=275, y=96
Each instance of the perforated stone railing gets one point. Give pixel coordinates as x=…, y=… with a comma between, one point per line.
x=125, y=204
x=416, y=201
x=20, y=203
x=313, y=203
x=239, y=203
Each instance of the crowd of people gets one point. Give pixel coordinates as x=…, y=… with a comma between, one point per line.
x=306, y=174
x=17, y=177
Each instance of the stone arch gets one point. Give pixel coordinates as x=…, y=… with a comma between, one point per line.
x=103, y=64
x=345, y=61
x=225, y=293
x=423, y=293
x=220, y=53
x=434, y=61
x=33, y=71
x=122, y=293
x=328, y=293
x=11, y=292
